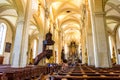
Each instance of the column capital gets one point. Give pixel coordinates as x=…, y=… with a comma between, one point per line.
x=20, y=20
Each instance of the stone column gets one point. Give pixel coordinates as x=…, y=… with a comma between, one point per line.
x=101, y=48
x=17, y=43
x=47, y=23
x=90, y=49
x=59, y=47
x=84, y=51
x=24, y=46
x=53, y=35
x=89, y=41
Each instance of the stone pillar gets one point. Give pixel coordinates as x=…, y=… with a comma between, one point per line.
x=84, y=51
x=17, y=43
x=59, y=47
x=47, y=23
x=20, y=50
x=101, y=48
x=53, y=35
x=90, y=49
x=24, y=46
x=89, y=41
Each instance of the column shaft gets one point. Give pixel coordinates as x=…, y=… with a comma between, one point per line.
x=24, y=46
x=59, y=47
x=101, y=48
x=84, y=51
x=90, y=49
x=17, y=44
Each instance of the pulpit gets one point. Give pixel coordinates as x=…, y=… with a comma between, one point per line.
x=47, y=48
x=48, y=45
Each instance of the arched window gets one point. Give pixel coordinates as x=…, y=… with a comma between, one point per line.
x=3, y=29
x=34, y=48
x=110, y=46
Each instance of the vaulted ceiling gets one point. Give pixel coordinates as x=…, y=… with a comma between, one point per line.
x=112, y=10
x=66, y=13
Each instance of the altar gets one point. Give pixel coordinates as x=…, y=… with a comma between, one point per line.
x=73, y=51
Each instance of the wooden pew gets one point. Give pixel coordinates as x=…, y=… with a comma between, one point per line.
x=85, y=77
x=3, y=76
x=25, y=73
x=88, y=73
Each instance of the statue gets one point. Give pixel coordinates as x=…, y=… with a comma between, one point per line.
x=62, y=55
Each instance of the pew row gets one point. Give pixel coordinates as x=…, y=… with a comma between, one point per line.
x=24, y=73
x=84, y=72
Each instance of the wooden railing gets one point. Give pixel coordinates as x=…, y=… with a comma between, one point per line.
x=39, y=57
x=27, y=73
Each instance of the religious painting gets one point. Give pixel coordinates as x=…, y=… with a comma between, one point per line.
x=7, y=47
